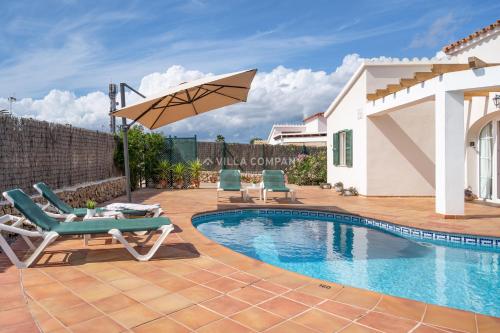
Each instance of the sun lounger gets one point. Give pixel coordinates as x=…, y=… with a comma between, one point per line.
x=69, y=213
x=274, y=181
x=49, y=229
x=229, y=180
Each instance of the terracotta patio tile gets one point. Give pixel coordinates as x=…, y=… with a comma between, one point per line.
x=220, y=269
x=169, y=303
x=199, y=293
x=450, y=318
x=290, y=327
x=303, y=298
x=162, y=325
x=342, y=310
x=272, y=287
x=97, y=292
x=244, y=277
x=428, y=329
x=28, y=327
x=225, y=305
x=387, y=323
x=176, y=283
x=225, y=285
x=329, y=291
x=128, y=283
x=81, y=282
x=46, y=290
x=134, y=315
x=358, y=297
x=33, y=279
x=112, y=274
x=257, y=318
x=114, y=303
x=195, y=316
x=98, y=325
x=291, y=281
x=50, y=325
x=488, y=324
x=77, y=314
x=320, y=321
x=60, y=302
x=156, y=276
x=181, y=269
x=355, y=328
x=65, y=273
x=251, y=295
x=146, y=292
x=15, y=317
x=401, y=307
x=283, y=307
x=201, y=276
x=223, y=325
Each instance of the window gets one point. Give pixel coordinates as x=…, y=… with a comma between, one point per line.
x=342, y=148
x=342, y=145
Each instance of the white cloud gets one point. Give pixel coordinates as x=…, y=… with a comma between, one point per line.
x=281, y=95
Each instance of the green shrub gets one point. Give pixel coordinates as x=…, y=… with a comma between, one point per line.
x=308, y=169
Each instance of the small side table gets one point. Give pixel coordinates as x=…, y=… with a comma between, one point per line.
x=252, y=188
x=99, y=216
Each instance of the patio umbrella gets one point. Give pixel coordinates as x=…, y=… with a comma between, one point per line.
x=190, y=99
x=184, y=101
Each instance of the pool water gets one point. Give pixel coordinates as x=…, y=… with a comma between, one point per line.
x=458, y=277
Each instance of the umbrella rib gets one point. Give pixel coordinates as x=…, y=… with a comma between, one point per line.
x=150, y=108
x=197, y=91
x=225, y=86
x=161, y=113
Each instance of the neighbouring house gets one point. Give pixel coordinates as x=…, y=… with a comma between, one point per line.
x=312, y=132
x=422, y=127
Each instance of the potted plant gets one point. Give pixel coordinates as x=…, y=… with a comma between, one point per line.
x=338, y=186
x=178, y=171
x=351, y=191
x=163, y=170
x=195, y=170
x=91, y=210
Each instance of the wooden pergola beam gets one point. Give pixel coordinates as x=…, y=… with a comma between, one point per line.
x=423, y=76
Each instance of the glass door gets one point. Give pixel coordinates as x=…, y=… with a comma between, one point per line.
x=485, y=161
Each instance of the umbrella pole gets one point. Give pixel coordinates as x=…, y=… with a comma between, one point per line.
x=125, y=145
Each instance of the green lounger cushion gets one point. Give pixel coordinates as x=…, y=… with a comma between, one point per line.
x=104, y=225
x=36, y=215
x=51, y=197
x=274, y=180
x=230, y=180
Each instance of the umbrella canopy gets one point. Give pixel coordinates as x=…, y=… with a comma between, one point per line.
x=190, y=99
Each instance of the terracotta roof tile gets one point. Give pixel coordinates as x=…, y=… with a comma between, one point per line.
x=472, y=36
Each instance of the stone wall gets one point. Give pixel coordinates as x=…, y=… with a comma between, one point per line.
x=77, y=196
x=213, y=177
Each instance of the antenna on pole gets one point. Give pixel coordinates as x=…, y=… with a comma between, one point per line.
x=112, y=106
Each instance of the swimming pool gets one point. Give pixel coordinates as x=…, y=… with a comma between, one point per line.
x=345, y=250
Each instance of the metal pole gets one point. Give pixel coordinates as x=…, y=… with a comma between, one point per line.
x=125, y=144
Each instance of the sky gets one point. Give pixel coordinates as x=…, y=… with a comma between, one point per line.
x=57, y=57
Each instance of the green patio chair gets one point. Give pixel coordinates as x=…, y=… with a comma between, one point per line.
x=48, y=228
x=229, y=180
x=274, y=181
x=69, y=213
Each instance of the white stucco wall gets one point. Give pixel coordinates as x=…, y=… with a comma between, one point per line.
x=400, y=152
x=486, y=48
x=316, y=125
x=346, y=116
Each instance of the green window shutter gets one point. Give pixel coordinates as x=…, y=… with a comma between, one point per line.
x=336, y=149
x=348, y=148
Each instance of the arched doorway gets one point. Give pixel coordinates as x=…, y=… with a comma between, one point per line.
x=486, y=161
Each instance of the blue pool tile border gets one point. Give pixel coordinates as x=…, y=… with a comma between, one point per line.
x=408, y=232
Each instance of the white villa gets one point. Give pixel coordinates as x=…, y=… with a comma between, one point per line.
x=312, y=132
x=422, y=127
